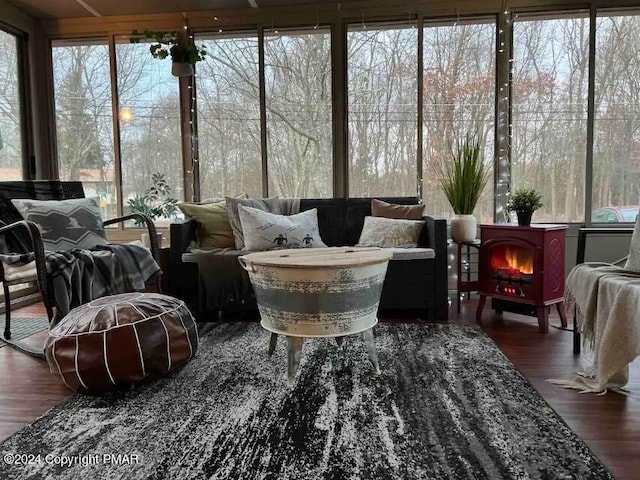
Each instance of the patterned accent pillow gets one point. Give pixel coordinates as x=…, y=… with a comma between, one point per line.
x=392, y=210
x=272, y=205
x=633, y=262
x=387, y=232
x=65, y=224
x=265, y=231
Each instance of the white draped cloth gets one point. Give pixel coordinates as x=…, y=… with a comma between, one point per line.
x=606, y=299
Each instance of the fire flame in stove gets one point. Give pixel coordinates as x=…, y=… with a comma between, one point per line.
x=517, y=261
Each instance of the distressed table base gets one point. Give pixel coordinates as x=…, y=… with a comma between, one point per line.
x=294, y=351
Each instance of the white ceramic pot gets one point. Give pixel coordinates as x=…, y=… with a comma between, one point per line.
x=179, y=69
x=146, y=240
x=463, y=228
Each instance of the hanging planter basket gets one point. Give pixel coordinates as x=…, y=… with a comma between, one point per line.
x=181, y=69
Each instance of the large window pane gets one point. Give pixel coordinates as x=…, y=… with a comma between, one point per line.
x=84, y=127
x=550, y=87
x=298, y=102
x=229, y=116
x=11, y=153
x=149, y=110
x=616, y=149
x=383, y=92
x=459, y=99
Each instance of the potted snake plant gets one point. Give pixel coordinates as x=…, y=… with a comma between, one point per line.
x=463, y=179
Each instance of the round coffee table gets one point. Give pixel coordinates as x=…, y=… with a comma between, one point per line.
x=319, y=292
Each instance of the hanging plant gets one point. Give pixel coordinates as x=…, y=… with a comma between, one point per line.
x=184, y=53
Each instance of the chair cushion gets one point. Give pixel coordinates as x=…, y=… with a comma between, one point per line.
x=412, y=253
x=65, y=224
x=265, y=231
x=121, y=340
x=19, y=273
x=633, y=262
x=386, y=232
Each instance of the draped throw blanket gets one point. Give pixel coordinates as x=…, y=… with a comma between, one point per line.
x=78, y=276
x=606, y=301
x=221, y=277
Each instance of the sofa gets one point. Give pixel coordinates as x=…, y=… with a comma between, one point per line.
x=414, y=284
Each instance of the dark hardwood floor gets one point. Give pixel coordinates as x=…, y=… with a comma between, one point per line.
x=609, y=424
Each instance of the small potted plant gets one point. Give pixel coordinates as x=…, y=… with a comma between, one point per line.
x=183, y=52
x=154, y=203
x=524, y=201
x=463, y=179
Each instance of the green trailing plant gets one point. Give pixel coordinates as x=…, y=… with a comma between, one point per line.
x=524, y=200
x=171, y=44
x=463, y=178
x=156, y=201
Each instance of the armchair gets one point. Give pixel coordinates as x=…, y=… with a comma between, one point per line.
x=23, y=237
x=583, y=235
x=605, y=300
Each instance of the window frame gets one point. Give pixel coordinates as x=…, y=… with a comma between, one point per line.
x=27, y=162
x=338, y=22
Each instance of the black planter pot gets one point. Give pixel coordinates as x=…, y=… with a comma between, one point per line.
x=524, y=217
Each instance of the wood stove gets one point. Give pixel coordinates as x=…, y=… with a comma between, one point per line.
x=522, y=269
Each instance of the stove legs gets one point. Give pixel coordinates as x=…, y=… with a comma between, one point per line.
x=294, y=352
x=543, y=319
x=370, y=342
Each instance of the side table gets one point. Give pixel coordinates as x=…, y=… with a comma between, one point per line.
x=467, y=280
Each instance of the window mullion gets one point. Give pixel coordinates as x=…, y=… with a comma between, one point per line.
x=503, y=133
x=263, y=113
x=420, y=117
x=588, y=181
x=115, y=103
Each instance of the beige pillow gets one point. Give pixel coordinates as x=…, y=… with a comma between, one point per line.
x=387, y=232
x=213, y=229
x=633, y=262
x=271, y=205
x=392, y=210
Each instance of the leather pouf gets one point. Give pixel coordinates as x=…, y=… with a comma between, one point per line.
x=121, y=340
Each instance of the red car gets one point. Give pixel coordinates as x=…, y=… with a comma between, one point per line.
x=615, y=214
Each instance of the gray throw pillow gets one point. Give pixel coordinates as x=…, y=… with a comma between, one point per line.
x=633, y=262
x=387, y=232
x=272, y=205
x=264, y=231
x=65, y=224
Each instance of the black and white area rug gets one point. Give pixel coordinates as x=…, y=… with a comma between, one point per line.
x=447, y=405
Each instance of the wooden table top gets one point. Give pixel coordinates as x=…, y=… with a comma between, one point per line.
x=337, y=257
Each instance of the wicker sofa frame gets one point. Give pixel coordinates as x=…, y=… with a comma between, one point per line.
x=411, y=286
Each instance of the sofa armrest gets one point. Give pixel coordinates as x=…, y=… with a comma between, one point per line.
x=434, y=235
x=181, y=236
x=180, y=278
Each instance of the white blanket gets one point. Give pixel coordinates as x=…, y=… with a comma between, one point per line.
x=606, y=299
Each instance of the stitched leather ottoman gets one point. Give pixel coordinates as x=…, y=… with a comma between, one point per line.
x=121, y=340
